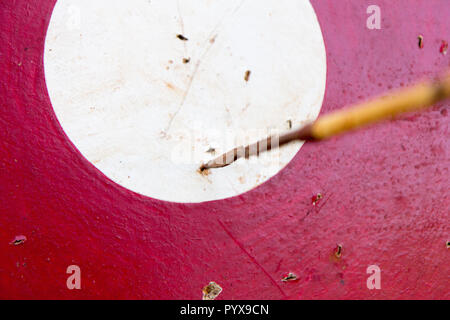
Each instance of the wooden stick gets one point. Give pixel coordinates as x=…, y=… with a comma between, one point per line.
x=411, y=99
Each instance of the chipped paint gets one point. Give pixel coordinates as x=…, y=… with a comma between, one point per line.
x=18, y=240
x=211, y=291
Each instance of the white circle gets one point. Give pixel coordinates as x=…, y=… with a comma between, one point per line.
x=147, y=119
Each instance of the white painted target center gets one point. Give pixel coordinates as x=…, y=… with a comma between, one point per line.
x=147, y=108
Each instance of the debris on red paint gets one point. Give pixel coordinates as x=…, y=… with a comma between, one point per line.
x=247, y=75
x=315, y=199
x=18, y=240
x=338, y=251
x=444, y=47
x=290, y=277
x=211, y=291
x=420, y=41
x=448, y=244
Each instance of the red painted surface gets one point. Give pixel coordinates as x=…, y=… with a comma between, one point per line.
x=385, y=189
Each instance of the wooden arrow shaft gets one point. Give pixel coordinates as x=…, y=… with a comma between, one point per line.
x=406, y=100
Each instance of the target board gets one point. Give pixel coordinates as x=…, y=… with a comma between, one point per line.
x=146, y=107
x=110, y=107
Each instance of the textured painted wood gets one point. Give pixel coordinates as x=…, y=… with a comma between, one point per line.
x=385, y=189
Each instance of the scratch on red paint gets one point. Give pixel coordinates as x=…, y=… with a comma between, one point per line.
x=279, y=266
x=251, y=257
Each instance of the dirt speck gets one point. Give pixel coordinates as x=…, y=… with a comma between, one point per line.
x=420, y=39
x=247, y=75
x=211, y=291
x=211, y=151
x=18, y=240
x=170, y=86
x=289, y=122
x=448, y=244
x=242, y=180
x=186, y=60
x=290, y=277
x=181, y=37
x=338, y=251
